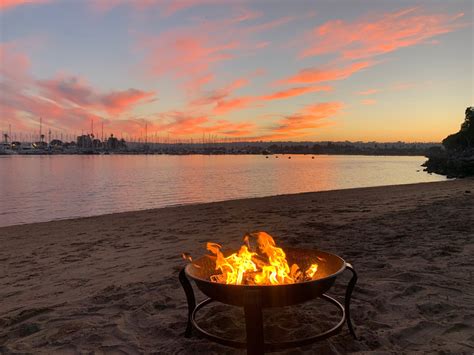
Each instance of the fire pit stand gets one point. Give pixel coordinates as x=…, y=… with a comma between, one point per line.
x=254, y=298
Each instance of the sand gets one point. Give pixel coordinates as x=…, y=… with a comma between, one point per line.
x=109, y=284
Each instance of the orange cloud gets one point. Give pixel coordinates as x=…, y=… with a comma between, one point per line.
x=284, y=94
x=301, y=123
x=189, y=124
x=224, y=102
x=316, y=75
x=224, y=106
x=381, y=34
x=232, y=129
x=8, y=4
x=212, y=97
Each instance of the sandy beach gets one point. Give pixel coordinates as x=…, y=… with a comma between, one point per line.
x=109, y=284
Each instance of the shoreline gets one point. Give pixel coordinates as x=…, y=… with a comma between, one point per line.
x=109, y=283
x=223, y=201
x=362, y=154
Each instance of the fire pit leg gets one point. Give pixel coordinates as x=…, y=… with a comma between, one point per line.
x=188, y=289
x=254, y=322
x=347, y=301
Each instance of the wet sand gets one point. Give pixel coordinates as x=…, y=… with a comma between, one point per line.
x=109, y=284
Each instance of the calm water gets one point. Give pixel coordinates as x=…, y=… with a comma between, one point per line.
x=43, y=188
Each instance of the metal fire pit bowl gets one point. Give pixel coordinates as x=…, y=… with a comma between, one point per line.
x=255, y=297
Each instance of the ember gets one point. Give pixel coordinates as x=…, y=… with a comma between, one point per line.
x=267, y=265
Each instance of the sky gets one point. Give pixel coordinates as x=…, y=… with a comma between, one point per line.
x=273, y=70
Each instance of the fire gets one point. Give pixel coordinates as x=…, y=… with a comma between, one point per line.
x=268, y=266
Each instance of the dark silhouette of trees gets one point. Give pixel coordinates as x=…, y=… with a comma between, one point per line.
x=464, y=139
x=457, y=159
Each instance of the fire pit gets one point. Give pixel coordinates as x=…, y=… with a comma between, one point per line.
x=264, y=278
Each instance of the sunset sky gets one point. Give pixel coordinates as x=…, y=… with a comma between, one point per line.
x=270, y=69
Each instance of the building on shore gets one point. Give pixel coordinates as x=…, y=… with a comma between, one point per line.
x=84, y=141
x=113, y=143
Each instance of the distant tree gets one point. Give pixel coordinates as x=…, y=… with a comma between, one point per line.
x=468, y=124
x=464, y=139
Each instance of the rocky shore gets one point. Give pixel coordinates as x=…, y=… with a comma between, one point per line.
x=453, y=165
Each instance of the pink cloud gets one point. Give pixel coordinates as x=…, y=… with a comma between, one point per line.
x=76, y=90
x=24, y=110
x=379, y=34
x=187, y=56
x=69, y=90
x=117, y=102
x=8, y=4
x=70, y=103
x=316, y=75
x=190, y=53
x=14, y=65
x=64, y=102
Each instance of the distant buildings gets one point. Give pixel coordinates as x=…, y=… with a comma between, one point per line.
x=84, y=141
x=113, y=143
x=87, y=141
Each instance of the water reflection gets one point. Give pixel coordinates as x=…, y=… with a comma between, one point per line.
x=42, y=188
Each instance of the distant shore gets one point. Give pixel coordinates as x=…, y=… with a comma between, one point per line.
x=109, y=283
x=361, y=153
x=88, y=146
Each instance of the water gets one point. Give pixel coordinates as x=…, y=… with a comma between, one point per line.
x=44, y=188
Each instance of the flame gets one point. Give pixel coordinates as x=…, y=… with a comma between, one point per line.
x=311, y=271
x=266, y=267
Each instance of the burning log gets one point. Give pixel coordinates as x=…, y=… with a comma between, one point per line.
x=264, y=265
x=261, y=277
